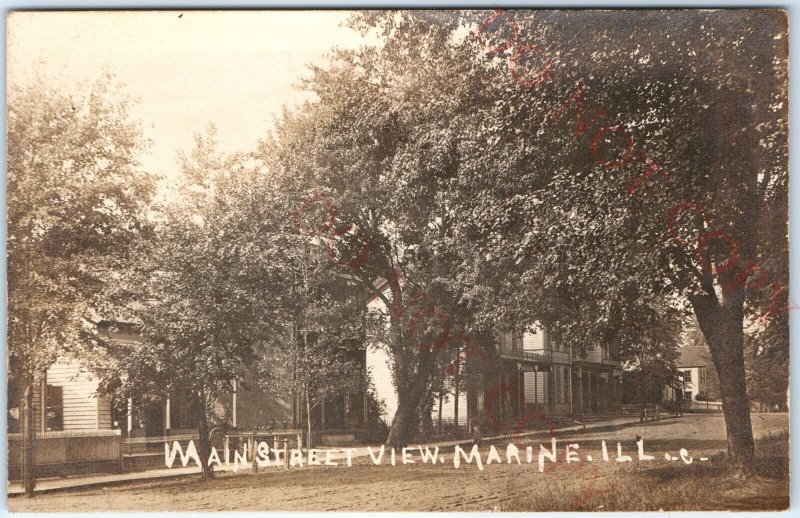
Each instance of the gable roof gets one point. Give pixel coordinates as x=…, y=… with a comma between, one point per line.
x=694, y=356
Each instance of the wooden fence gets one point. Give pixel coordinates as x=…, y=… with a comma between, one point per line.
x=58, y=453
x=66, y=448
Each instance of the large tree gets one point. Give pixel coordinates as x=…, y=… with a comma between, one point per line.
x=206, y=290
x=636, y=150
x=76, y=196
x=567, y=159
x=372, y=164
x=228, y=293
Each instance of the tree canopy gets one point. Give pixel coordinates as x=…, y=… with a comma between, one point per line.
x=76, y=205
x=564, y=166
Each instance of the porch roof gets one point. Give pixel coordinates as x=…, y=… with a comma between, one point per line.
x=538, y=356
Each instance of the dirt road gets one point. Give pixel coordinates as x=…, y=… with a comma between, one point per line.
x=591, y=485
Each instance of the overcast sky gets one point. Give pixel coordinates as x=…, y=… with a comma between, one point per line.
x=235, y=69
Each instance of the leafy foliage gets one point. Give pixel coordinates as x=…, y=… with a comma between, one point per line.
x=76, y=200
x=209, y=285
x=539, y=165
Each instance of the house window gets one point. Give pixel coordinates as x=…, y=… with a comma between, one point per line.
x=687, y=376
x=687, y=396
x=702, y=376
x=55, y=408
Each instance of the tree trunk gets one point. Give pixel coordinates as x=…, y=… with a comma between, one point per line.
x=308, y=422
x=735, y=405
x=28, y=437
x=405, y=420
x=457, y=394
x=426, y=416
x=408, y=403
x=204, y=445
x=722, y=327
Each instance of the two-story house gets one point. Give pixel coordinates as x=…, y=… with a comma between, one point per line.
x=522, y=377
x=549, y=379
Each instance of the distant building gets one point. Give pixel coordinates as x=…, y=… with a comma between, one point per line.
x=697, y=375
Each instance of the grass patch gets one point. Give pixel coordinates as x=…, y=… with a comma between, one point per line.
x=714, y=485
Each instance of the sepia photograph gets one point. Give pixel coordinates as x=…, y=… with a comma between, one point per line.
x=424, y=260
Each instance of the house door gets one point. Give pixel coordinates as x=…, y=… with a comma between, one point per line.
x=335, y=412
x=153, y=421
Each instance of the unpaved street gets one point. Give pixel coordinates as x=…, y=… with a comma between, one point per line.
x=424, y=487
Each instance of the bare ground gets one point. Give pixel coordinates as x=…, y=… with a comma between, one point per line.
x=597, y=485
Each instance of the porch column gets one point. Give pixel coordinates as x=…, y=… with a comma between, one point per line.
x=167, y=415
x=130, y=415
x=234, y=402
x=43, y=405
x=521, y=387
x=571, y=407
x=366, y=406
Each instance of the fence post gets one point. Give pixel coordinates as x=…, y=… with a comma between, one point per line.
x=255, y=460
x=121, y=451
x=286, y=452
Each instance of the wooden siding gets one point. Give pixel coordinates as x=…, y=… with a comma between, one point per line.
x=83, y=410
x=561, y=377
x=378, y=365
x=103, y=413
x=449, y=409
x=534, y=340
x=561, y=357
